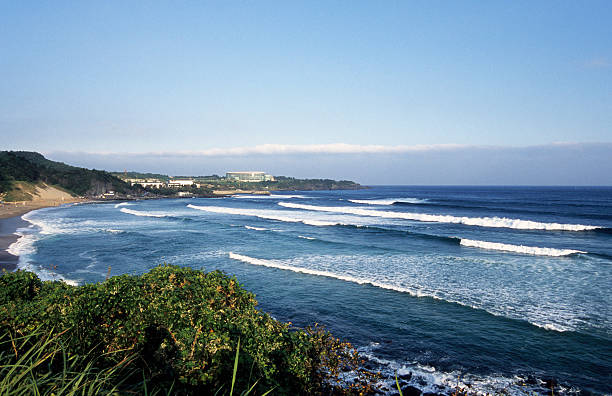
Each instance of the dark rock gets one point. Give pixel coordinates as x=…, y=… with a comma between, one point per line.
x=411, y=391
x=369, y=365
x=405, y=377
x=550, y=383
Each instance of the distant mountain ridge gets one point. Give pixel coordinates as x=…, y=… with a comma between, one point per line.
x=32, y=167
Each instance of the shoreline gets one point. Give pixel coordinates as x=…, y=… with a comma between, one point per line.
x=11, y=220
x=8, y=236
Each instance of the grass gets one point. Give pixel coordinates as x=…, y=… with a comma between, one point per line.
x=39, y=364
x=22, y=191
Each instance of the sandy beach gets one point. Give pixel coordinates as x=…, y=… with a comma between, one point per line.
x=10, y=219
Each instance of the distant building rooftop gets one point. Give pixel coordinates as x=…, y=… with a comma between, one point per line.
x=249, y=176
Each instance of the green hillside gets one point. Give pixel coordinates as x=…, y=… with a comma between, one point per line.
x=34, y=168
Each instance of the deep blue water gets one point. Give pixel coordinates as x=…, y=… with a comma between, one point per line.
x=495, y=285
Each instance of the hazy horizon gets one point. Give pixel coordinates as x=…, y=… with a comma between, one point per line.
x=560, y=164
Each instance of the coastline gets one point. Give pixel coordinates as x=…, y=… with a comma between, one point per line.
x=8, y=227
x=11, y=221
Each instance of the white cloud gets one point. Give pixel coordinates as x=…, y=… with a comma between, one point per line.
x=276, y=149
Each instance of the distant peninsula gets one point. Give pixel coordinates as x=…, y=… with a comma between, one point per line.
x=28, y=176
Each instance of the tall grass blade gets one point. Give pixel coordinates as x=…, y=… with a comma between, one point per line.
x=235, y=367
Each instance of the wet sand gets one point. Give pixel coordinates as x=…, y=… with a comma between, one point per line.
x=8, y=227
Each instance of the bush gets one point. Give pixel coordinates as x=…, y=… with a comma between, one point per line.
x=179, y=325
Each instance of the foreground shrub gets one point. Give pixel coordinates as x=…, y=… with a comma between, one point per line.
x=178, y=327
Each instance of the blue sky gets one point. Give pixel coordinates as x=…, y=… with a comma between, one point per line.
x=124, y=81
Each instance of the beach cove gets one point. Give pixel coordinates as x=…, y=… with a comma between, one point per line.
x=11, y=221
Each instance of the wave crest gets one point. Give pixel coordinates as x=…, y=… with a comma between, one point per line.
x=261, y=214
x=140, y=213
x=496, y=222
x=388, y=201
x=538, y=251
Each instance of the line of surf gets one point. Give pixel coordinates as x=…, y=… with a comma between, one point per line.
x=123, y=204
x=347, y=278
x=362, y=281
x=142, y=214
x=23, y=247
x=261, y=215
x=538, y=251
x=271, y=196
x=496, y=222
x=255, y=228
x=388, y=201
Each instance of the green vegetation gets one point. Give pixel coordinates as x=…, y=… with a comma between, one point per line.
x=281, y=183
x=139, y=175
x=291, y=183
x=172, y=330
x=21, y=191
x=33, y=168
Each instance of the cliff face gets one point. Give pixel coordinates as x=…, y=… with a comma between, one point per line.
x=97, y=187
x=34, y=168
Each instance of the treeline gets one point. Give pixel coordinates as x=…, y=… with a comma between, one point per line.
x=34, y=168
x=140, y=175
x=291, y=183
x=283, y=183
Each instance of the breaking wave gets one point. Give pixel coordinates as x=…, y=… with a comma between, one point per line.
x=255, y=228
x=542, y=322
x=123, y=204
x=261, y=214
x=388, y=201
x=497, y=222
x=347, y=278
x=429, y=380
x=538, y=251
x=140, y=213
x=271, y=196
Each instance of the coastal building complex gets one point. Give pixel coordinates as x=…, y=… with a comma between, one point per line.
x=180, y=183
x=249, y=176
x=146, y=182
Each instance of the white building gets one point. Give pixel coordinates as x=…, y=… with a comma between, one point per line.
x=146, y=182
x=249, y=176
x=180, y=182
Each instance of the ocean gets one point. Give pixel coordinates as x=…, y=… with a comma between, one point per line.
x=502, y=289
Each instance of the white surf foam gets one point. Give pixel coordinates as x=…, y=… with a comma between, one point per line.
x=23, y=245
x=388, y=201
x=113, y=231
x=554, y=316
x=46, y=274
x=430, y=380
x=538, y=251
x=262, y=214
x=360, y=281
x=255, y=228
x=496, y=222
x=140, y=213
x=123, y=204
x=271, y=196
x=306, y=237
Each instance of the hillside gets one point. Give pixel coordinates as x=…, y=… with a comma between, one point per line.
x=33, y=168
